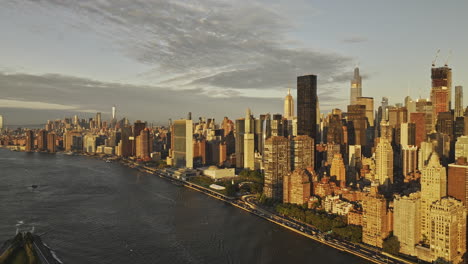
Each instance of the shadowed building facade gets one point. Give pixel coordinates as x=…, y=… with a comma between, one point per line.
x=276, y=166
x=296, y=187
x=307, y=105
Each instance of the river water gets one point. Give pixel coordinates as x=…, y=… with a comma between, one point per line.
x=97, y=212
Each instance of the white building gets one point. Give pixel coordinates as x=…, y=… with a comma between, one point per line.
x=216, y=173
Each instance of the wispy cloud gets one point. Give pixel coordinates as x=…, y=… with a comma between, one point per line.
x=354, y=39
x=217, y=43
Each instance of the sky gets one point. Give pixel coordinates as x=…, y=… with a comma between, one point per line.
x=158, y=59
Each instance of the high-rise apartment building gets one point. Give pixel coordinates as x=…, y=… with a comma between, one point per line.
x=433, y=188
x=375, y=219
x=182, y=152
x=406, y=219
x=29, y=141
x=296, y=187
x=42, y=140
x=124, y=147
x=302, y=152
x=356, y=87
x=384, y=161
x=288, y=106
x=73, y=141
x=307, y=101
x=457, y=184
x=447, y=227
x=144, y=145
x=276, y=166
x=459, y=101
x=409, y=159
x=51, y=145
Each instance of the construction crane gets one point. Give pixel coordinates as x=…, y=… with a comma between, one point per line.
x=435, y=59
x=448, y=58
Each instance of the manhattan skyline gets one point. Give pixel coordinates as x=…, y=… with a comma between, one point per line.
x=60, y=59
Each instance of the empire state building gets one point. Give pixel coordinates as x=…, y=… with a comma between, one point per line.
x=288, y=106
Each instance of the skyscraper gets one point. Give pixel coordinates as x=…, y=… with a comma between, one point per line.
x=113, y=113
x=29, y=140
x=356, y=87
x=384, y=161
x=440, y=101
x=1, y=122
x=307, y=105
x=239, y=142
x=42, y=140
x=277, y=165
x=338, y=169
x=249, y=142
x=51, y=145
x=406, y=222
x=433, y=188
x=302, y=152
x=458, y=101
x=288, y=106
x=369, y=103
x=182, y=151
x=424, y=154
x=409, y=159
x=98, y=120
x=357, y=125
x=442, y=77
x=144, y=145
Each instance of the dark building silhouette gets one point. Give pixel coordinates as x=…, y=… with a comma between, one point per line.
x=307, y=105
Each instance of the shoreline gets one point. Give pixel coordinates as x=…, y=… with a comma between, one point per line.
x=243, y=205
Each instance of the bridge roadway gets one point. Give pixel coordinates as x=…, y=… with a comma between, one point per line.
x=371, y=254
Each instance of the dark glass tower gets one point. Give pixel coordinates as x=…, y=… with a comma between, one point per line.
x=307, y=105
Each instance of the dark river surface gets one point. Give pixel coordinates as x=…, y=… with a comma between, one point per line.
x=97, y=212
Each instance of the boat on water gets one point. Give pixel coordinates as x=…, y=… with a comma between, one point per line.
x=26, y=247
x=69, y=153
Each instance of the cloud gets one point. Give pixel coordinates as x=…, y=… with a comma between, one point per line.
x=354, y=39
x=217, y=43
x=58, y=95
x=11, y=103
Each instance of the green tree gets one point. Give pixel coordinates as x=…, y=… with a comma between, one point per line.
x=391, y=245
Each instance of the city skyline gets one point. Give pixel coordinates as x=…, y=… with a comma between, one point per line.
x=89, y=69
